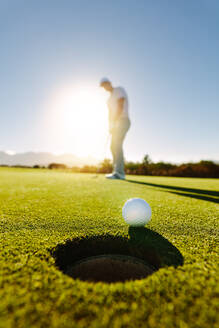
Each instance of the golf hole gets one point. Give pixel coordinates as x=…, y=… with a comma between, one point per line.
x=111, y=259
x=110, y=268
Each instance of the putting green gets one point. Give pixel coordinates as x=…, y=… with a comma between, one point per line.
x=50, y=219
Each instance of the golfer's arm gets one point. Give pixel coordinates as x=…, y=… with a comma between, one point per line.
x=120, y=108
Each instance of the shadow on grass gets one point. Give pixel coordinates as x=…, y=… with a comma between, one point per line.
x=122, y=257
x=187, y=192
x=208, y=199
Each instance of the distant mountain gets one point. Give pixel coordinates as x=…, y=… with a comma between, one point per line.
x=43, y=158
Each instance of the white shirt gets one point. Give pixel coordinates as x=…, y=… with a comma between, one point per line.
x=112, y=102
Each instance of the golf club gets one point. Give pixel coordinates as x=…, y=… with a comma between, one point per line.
x=103, y=155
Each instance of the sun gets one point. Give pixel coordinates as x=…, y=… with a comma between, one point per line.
x=76, y=120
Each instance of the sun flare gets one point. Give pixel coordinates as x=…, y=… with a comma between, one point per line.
x=76, y=120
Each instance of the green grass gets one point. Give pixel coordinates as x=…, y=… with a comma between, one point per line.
x=40, y=210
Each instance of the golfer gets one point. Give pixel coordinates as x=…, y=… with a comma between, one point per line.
x=119, y=123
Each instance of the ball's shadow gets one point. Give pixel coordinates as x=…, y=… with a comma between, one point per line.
x=157, y=250
x=109, y=258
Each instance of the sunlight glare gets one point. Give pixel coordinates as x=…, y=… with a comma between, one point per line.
x=77, y=120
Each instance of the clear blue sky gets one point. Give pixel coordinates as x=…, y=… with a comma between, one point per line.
x=165, y=53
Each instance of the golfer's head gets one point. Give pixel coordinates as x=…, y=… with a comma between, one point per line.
x=106, y=84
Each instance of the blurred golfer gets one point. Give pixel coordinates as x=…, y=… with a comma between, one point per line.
x=119, y=123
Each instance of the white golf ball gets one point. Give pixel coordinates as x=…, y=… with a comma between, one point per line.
x=136, y=212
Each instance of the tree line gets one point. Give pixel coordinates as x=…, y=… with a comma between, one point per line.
x=202, y=169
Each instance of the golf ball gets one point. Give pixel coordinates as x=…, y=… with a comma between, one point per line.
x=136, y=212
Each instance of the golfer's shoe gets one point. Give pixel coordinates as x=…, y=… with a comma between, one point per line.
x=115, y=176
